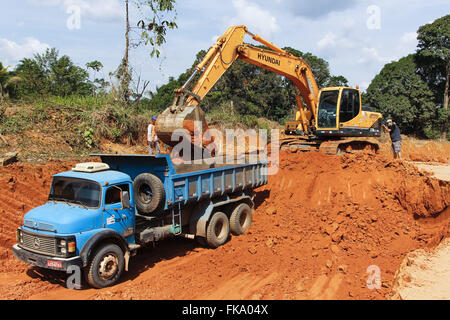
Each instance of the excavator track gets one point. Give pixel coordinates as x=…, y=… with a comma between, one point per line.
x=339, y=147
x=332, y=147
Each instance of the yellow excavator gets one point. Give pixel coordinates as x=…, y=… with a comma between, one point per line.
x=331, y=120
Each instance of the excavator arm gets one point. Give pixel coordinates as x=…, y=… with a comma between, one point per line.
x=185, y=113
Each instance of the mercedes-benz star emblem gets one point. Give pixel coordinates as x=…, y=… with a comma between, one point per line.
x=37, y=243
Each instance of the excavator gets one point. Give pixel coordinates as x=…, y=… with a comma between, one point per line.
x=331, y=120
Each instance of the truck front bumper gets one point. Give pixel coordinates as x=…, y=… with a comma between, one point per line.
x=42, y=261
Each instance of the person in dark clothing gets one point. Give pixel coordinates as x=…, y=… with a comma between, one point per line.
x=396, y=138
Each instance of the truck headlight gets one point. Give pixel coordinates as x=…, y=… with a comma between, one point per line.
x=67, y=246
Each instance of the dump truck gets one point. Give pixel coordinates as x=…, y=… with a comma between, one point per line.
x=100, y=213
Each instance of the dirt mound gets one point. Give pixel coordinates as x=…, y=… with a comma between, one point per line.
x=24, y=186
x=319, y=226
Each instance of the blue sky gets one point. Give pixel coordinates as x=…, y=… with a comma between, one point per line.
x=357, y=37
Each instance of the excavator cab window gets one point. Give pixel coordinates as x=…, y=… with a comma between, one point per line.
x=350, y=105
x=327, y=109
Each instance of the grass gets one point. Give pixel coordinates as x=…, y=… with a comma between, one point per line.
x=42, y=126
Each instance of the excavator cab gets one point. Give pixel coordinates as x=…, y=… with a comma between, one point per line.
x=339, y=113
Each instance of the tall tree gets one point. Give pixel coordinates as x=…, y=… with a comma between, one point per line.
x=433, y=56
x=400, y=93
x=151, y=30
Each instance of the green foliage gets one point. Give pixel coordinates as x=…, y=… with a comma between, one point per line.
x=399, y=92
x=88, y=136
x=49, y=74
x=433, y=60
x=337, y=81
x=414, y=90
x=154, y=28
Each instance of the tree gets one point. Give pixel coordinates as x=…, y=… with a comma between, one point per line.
x=48, y=73
x=151, y=30
x=3, y=79
x=337, y=81
x=433, y=57
x=400, y=93
x=319, y=66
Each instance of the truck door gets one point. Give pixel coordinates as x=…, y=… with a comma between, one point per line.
x=115, y=217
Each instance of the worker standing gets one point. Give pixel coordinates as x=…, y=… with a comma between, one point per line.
x=152, y=138
x=396, y=138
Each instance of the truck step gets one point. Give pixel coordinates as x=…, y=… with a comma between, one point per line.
x=134, y=246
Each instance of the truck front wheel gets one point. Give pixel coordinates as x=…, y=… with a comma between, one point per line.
x=218, y=230
x=106, y=267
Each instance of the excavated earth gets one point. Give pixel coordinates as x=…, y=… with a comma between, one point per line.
x=321, y=226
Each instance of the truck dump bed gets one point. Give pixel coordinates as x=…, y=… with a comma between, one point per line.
x=185, y=183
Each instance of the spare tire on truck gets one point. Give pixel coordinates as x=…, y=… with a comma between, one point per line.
x=149, y=193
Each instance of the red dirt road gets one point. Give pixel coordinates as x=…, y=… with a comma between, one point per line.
x=318, y=225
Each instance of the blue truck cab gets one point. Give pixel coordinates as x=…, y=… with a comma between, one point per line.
x=99, y=214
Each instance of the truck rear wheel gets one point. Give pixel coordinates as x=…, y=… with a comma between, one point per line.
x=240, y=219
x=149, y=193
x=218, y=230
x=106, y=267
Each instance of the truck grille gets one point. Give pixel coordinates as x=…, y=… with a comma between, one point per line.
x=39, y=244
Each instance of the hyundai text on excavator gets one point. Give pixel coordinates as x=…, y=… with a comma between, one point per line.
x=331, y=119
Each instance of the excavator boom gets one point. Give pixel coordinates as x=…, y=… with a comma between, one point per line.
x=184, y=112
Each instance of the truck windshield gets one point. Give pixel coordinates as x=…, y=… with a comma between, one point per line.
x=77, y=191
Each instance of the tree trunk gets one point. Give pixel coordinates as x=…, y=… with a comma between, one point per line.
x=447, y=84
x=125, y=82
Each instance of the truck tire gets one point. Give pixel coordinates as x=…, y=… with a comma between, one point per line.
x=240, y=219
x=149, y=193
x=218, y=230
x=106, y=266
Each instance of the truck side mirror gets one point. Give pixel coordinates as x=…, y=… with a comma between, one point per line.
x=125, y=200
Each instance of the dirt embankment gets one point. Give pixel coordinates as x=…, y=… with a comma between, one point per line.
x=424, y=275
x=24, y=187
x=319, y=224
x=418, y=150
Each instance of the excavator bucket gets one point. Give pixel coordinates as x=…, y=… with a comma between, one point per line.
x=174, y=118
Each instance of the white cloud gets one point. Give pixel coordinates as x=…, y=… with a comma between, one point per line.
x=255, y=18
x=333, y=41
x=408, y=43
x=364, y=85
x=11, y=52
x=371, y=55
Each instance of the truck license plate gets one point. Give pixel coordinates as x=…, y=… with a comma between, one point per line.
x=54, y=264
